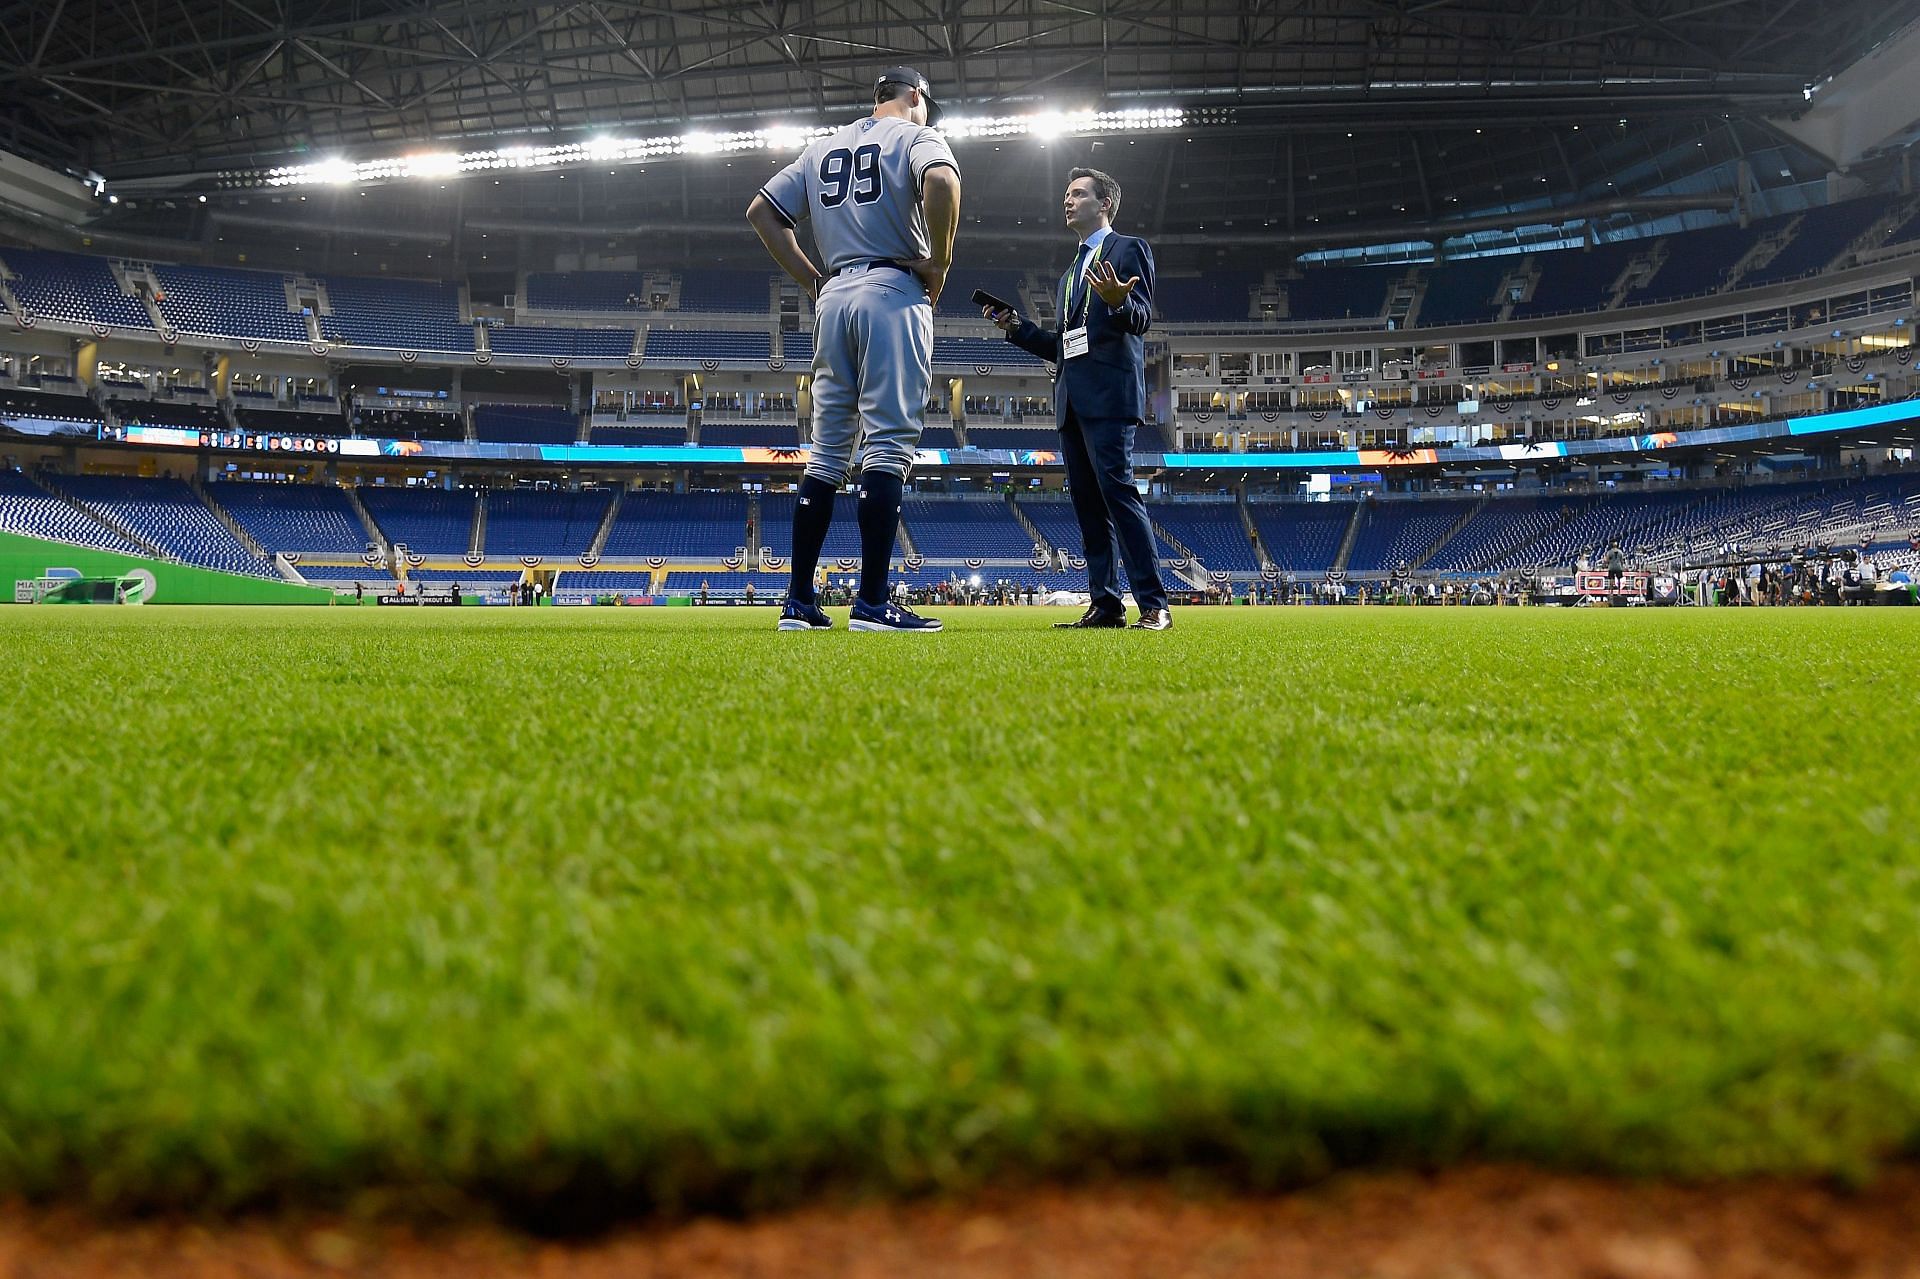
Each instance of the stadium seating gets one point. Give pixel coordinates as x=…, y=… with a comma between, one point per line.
x=72, y=287
x=843, y=535
x=1507, y=523
x=604, y=581
x=1394, y=531
x=548, y=522
x=293, y=517
x=1340, y=293
x=587, y=291
x=42, y=413
x=428, y=521
x=408, y=424
x=29, y=510
x=200, y=415
x=1824, y=234
x=1697, y=262
x=592, y=344
x=1590, y=527
x=290, y=421
x=1463, y=292
x=721, y=585
x=977, y=353
x=341, y=576
x=1211, y=530
x=687, y=347
x=938, y=437
x=1301, y=537
x=479, y=577
x=1907, y=232
x=1223, y=298
x=1577, y=279
x=752, y=435
x=407, y=315
x=219, y=300
x=956, y=300
x=168, y=514
x=798, y=349
x=989, y=435
x=525, y=424
x=713, y=291
x=638, y=434
x=703, y=525
x=1053, y=517
x=965, y=528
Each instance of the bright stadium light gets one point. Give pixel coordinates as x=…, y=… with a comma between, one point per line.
x=334, y=172
x=433, y=164
x=606, y=149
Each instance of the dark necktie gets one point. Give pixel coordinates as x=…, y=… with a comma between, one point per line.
x=1076, y=287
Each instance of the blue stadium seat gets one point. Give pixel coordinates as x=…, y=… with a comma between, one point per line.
x=1463, y=292
x=228, y=302
x=30, y=511
x=697, y=525
x=407, y=315
x=547, y=522
x=72, y=287
x=592, y=344
x=1211, y=530
x=170, y=515
x=965, y=528
x=525, y=424
x=716, y=291
x=428, y=521
x=1301, y=537
x=687, y=347
x=293, y=517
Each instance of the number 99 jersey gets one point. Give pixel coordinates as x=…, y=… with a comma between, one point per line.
x=860, y=186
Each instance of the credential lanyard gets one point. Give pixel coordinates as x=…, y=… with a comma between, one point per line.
x=1074, y=278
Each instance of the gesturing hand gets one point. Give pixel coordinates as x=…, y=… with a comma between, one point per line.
x=1111, y=288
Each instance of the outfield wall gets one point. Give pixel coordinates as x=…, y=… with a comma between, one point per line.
x=24, y=558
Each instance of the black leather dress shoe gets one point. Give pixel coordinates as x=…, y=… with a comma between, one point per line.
x=1154, y=619
x=1094, y=619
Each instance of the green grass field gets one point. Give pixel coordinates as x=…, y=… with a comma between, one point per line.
x=615, y=911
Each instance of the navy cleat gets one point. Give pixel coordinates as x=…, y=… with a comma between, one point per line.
x=888, y=617
x=796, y=616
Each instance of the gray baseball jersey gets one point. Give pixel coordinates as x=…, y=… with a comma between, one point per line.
x=873, y=327
x=860, y=187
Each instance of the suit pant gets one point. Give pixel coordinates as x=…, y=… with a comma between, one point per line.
x=1099, y=457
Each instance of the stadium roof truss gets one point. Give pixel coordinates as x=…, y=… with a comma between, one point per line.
x=1349, y=113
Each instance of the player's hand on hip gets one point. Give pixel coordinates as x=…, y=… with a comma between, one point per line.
x=1007, y=320
x=932, y=273
x=1112, y=289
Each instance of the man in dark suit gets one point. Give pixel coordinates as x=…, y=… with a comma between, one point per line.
x=1100, y=397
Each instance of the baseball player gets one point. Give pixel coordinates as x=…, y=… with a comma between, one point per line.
x=883, y=195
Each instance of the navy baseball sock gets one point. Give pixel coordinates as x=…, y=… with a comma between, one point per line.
x=812, y=515
x=879, y=524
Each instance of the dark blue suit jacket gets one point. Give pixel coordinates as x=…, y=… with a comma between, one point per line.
x=1110, y=380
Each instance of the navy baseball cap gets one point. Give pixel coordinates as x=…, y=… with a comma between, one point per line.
x=913, y=80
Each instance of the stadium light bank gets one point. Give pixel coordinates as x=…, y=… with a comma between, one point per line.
x=1044, y=126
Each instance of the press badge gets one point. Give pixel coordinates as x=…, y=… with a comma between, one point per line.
x=1073, y=343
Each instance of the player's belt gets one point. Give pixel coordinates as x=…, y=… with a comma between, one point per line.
x=875, y=262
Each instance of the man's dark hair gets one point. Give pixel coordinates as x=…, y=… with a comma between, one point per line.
x=889, y=90
x=1105, y=188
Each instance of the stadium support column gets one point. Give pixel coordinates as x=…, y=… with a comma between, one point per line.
x=86, y=363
